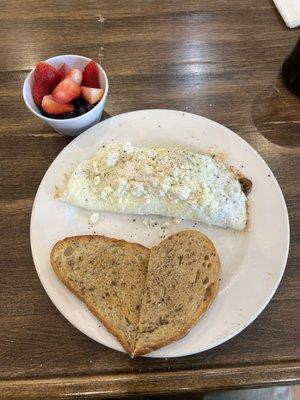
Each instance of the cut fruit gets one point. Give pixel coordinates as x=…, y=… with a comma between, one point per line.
x=53, y=107
x=66, y=91
x=62, y=72
x=46, y=77
x=38, y=92
x=75, y=75
x=90, y=75
x=92, y=95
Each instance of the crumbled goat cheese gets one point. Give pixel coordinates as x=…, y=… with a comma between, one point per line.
x=94, y=218
x=112, y=159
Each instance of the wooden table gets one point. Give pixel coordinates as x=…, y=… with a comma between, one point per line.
x=219, y=59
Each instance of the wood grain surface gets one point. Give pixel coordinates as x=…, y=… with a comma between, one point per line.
x=217, y=58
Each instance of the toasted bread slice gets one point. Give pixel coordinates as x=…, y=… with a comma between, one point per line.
x=181, y=284
x=109, y=276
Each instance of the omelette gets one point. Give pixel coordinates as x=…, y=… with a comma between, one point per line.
x=170, y=182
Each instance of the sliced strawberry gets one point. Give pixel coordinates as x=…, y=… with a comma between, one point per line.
x=90, y=75
x=38, y=92
x=62, y=72
x=52, y=107
x=91, y=95
x=45, y=79
x=75, y=75
x=66, y=91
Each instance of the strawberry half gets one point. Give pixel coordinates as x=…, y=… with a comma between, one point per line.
x=75, y=75
x=91, y=95
x=45, y=79
x=38, y=92
x=90, y=75
x=61, y=72
x=67, y=90
x=52, y=107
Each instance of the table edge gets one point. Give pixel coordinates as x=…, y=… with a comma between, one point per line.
x=151, y=383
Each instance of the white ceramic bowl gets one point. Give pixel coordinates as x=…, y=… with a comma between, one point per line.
x=71, y=126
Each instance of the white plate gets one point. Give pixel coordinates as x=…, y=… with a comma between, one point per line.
x=252, y=262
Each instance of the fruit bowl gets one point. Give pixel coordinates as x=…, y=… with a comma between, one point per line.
x=70, y=126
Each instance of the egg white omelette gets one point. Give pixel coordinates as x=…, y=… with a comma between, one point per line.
x=170, y=182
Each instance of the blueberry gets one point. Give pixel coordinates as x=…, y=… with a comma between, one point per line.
x=44, y=113
x=78, y=102
x=68, y=115
x=52, y=116
x=81, y=110
x=90, y=106
x=79, y=105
